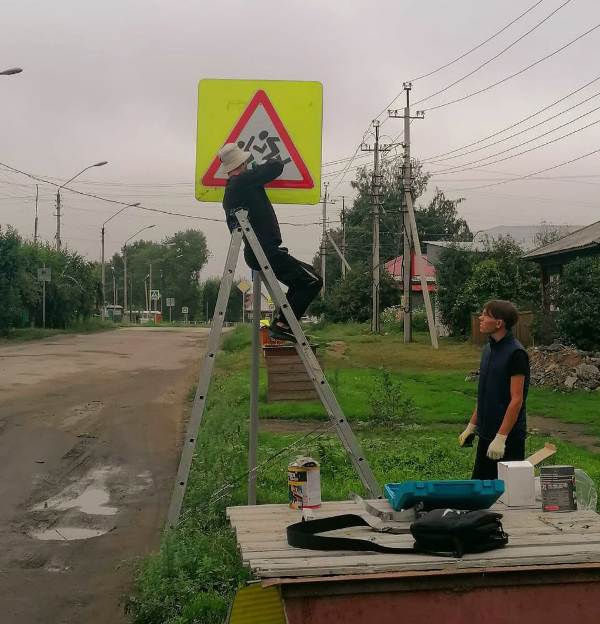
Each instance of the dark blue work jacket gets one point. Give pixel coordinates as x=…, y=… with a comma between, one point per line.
x=493, y=394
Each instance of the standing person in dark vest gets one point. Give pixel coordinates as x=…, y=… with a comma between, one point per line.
x=246, y=189
x=499, y=418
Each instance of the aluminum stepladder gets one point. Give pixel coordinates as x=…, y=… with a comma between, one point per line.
x=304, y=350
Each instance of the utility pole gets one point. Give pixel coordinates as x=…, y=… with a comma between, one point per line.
x=343, y=220
x=125, y=285
x=150, y=288
x=103, y=273
x=376, y=204
x=324, y=240
x=410, y=233
x=58, y=241
x=35, y=223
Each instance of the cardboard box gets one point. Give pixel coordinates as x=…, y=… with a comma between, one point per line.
x=519, y=483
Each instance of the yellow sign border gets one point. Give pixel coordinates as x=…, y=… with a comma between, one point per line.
x=299, y=104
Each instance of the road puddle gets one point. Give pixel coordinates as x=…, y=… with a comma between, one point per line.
x=66, y=534
x=93, y=499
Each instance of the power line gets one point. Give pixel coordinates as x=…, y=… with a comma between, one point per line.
x=437, y=160
x=517, y=123
x=466, y=167
x=479, y=45
x=529, y=175
x=122, y=203
x=493, y=58
x=521, y=71
x=462, y=56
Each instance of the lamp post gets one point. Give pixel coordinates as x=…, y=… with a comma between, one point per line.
x=11, y=71
x=102, y=260
x=125, y=269
x=58, y=241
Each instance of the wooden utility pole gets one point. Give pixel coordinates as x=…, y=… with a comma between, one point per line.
x=343, y=223
x=35, y=223
x=324, y=239
x=376, y=202
x=411, y=235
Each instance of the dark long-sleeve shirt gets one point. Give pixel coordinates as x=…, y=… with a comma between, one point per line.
x=247, y=190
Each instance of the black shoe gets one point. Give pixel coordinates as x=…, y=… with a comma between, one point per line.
x=281, y=333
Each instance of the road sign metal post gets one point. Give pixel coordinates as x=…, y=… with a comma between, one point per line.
x=44, y=275
x=170, y=305
x=254, y=389
x=304, y=350
x=244, y=286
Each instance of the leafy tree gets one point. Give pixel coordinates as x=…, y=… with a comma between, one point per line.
x=578, y=297
x=467, y=279
x=70, y=295
x=209, y=293
x=350, y=299
x=438, y=220
x=176, y=265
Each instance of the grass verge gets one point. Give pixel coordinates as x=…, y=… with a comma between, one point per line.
x=38, y=333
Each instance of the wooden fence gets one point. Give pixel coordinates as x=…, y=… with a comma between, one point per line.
x=523, y=330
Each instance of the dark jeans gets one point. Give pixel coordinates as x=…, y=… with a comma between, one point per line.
x=486, y=468
x=301, y=279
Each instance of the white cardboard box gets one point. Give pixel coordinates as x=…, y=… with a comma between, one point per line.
x=519, y=483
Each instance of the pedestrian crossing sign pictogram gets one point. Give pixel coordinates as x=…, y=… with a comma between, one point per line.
x=269, y=119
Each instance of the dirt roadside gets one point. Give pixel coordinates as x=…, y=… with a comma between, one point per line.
x=90, y=427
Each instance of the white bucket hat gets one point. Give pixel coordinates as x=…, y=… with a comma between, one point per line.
x=232, y=157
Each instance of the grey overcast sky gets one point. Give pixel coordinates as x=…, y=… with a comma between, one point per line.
x=117, y=81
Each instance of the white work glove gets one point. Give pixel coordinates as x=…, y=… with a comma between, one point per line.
x=470, y=430
x=496, y=448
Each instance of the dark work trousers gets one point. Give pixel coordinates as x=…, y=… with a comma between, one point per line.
x=301, y=279
x=486, y=468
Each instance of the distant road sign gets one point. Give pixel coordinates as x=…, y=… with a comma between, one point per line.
x=244, y=286
x=185, y=310
x=155, y=295
x=44, y=275
x=170, y=302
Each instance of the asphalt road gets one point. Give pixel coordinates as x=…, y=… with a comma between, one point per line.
x=90, y=428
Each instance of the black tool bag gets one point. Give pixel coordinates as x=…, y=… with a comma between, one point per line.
x=444, y=532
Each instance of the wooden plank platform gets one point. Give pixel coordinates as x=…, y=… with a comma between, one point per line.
x=535, y=538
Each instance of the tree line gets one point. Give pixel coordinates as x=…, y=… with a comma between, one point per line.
x=74, y=292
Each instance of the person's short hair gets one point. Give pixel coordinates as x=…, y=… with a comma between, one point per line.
x=502, y=310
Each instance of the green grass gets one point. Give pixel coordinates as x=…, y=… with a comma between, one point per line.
x=38, y=333
x=194, y=575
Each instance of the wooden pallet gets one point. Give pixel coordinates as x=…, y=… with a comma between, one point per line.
x=535, y=538
x=287, y=379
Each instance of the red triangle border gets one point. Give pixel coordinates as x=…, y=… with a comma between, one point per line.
x=260, y=97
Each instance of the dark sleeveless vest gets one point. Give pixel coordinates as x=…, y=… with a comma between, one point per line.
x=493, y=394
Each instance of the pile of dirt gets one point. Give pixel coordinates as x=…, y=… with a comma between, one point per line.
x=564, y=368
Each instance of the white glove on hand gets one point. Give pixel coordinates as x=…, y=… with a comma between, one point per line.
x=496, y=448
x=470, y=430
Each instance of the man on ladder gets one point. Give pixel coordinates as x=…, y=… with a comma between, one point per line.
x=246, y=189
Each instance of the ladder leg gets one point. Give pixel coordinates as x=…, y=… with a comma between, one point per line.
x=189, y=443
x=311, y=364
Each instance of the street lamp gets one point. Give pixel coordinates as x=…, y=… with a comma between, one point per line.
x=102, y=244
x=125, y=269
x=11, y=71
x=58, y=241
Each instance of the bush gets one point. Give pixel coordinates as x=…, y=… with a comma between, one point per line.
x=578, y=297
x=389, y=405
x=350, y=299
x=466, y=280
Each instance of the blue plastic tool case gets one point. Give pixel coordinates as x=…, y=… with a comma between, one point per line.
x=467, y=494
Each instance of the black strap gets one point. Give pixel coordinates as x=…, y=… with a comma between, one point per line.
x=304, y=535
